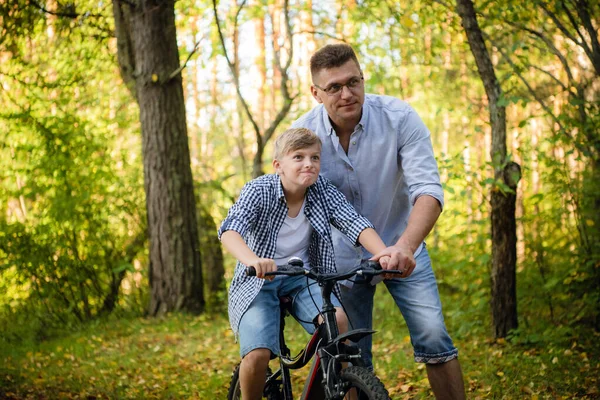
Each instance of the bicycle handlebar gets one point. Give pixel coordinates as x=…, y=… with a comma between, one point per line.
x=294, y=267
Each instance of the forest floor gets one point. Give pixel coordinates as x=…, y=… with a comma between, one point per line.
x=182, y=356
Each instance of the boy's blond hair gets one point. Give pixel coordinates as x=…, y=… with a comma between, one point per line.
x=294, y=139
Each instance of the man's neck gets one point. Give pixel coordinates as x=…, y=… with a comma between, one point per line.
x=343, y=128
x=343, y=133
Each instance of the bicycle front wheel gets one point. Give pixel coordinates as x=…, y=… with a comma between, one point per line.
x=366, y=385
x=273, y=392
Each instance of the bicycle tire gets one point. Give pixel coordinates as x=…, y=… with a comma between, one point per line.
x=367, y=385
x=235, y=392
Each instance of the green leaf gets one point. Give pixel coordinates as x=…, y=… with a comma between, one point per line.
x=125, y=266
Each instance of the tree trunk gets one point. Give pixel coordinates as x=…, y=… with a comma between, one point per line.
x=146, y=35
x=212, y=262
x=129, y=254
x=504, y=255
x=507, y=175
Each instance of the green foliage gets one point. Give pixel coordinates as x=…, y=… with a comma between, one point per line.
x=71, y=192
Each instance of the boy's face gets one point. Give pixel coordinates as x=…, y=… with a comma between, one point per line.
x=299, y=169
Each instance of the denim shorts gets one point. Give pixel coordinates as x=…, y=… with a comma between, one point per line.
x=259, y=326
x=418, y=299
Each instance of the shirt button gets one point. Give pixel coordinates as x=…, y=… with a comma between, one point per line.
x=354, y=142
x=350, y=168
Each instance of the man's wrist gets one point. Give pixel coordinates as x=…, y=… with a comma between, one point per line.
x=404, y=242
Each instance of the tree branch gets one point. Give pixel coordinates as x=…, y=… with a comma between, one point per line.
x=549, y=44
x=181, y=68
x=236, y=79
x=122, y=14
x=487, y=73
x=584, y=14
x=68, y=14
x=287, y=99
x=575, y=25
x=559, y=24
x=528, y=86
x=554, y=78
x=443, y=3
x=263, y=137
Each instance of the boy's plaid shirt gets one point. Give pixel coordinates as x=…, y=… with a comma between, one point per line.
x=258, y=215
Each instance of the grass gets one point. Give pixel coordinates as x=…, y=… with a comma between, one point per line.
x=182, y=356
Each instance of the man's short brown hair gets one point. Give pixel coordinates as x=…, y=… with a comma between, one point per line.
x=294, y=139
x=332, y=56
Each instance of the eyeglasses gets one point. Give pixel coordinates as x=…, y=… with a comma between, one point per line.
x=336, y=88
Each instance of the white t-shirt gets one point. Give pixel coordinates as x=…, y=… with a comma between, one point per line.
x=293, y=239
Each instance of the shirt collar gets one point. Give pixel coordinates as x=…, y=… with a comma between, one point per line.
x=327, y=122
x=365, y=111
x=280, y=194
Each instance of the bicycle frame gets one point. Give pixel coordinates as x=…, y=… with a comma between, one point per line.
x=329, y=347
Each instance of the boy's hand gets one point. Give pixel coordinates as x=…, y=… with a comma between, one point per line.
x=384, y=261
x=400, y=257
x=264, y=265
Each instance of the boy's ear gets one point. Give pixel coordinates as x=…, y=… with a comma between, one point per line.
x=276, y=165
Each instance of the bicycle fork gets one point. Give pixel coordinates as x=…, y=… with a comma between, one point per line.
x=329, y=358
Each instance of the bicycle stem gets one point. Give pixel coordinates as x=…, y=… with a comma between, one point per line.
x=329, y=319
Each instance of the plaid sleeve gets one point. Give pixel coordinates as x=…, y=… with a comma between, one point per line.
x=244, y=213
x=343, y=216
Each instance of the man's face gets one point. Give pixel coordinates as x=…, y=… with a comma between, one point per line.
x=344, y=106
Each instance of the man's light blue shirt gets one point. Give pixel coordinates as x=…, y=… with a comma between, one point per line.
x=389, y=165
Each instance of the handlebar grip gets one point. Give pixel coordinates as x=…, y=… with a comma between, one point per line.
x=291, y=268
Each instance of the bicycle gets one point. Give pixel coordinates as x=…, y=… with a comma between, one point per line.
x=326, y=343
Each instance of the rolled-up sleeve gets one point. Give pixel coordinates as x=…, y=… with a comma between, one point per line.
x=243, y=214
x=418, y=161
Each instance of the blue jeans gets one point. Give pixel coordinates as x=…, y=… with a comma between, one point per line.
x=418, y=299
x=259, y=326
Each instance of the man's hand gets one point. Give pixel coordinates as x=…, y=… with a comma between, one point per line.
x=400, y=257
x=264, y=265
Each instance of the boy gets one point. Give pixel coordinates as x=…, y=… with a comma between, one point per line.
x=276, y=217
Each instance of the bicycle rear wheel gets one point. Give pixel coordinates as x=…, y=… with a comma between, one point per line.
x=272, y=392
x=366, y=384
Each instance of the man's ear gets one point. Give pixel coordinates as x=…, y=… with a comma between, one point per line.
x=315, y=94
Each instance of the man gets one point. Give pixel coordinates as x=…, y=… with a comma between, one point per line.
x=378, y=152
